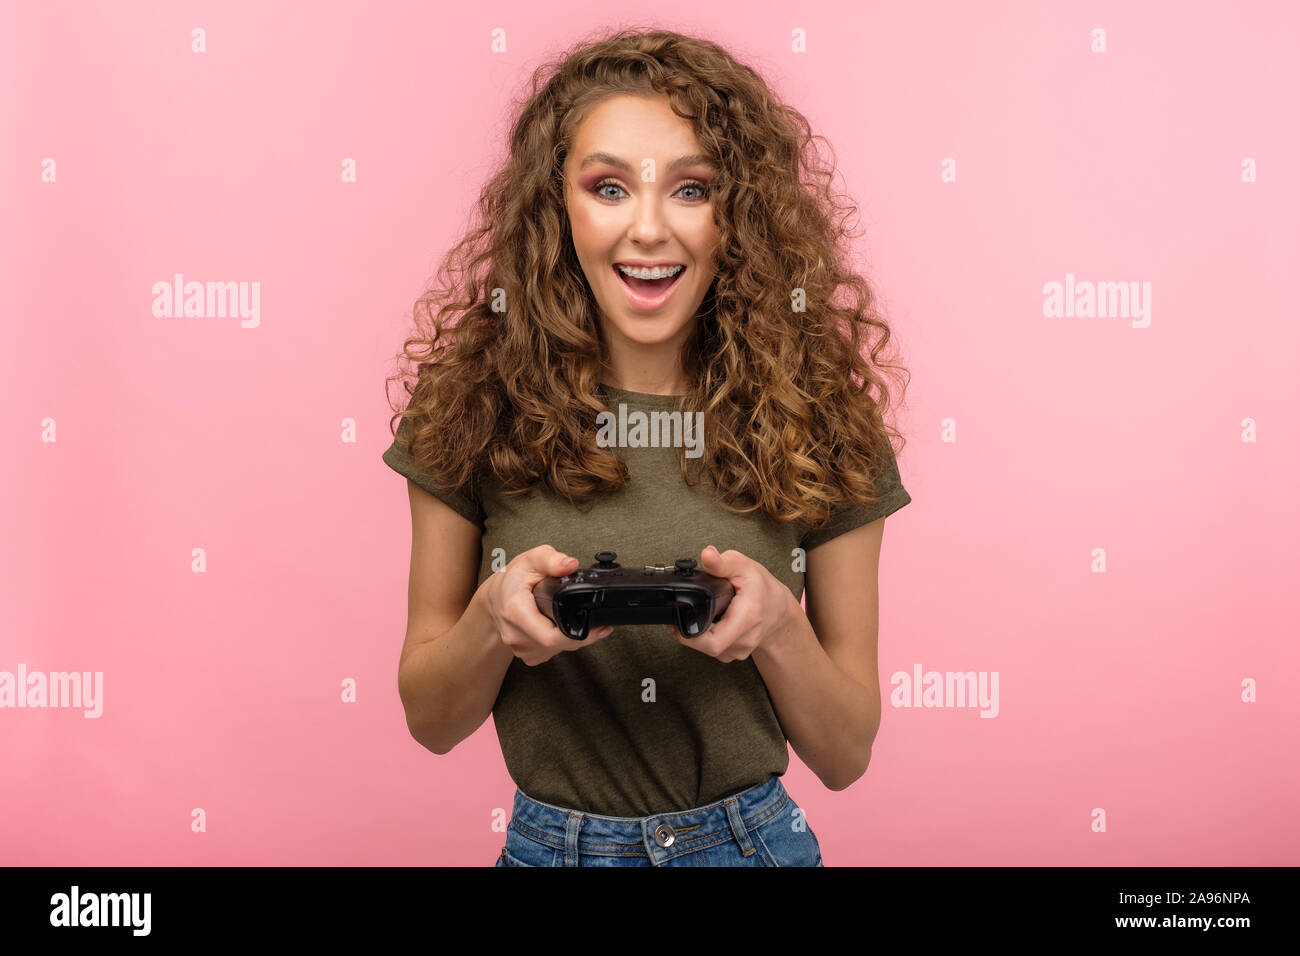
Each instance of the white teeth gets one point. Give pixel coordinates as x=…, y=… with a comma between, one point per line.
x=658, y=272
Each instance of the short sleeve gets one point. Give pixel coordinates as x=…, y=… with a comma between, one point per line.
x=463, y=503
x=891, y=494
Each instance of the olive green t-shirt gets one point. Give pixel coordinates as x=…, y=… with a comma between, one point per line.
x=637, y=724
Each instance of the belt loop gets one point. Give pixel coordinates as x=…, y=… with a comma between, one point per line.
x=571, y=829
x=738, y=827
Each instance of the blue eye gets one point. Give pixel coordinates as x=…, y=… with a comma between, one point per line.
x=607, y=183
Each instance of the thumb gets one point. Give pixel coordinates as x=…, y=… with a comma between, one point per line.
x=560, y=564
x=547, y=562
x=712, y=561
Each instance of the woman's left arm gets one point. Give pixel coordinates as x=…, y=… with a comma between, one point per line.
x=821, y=667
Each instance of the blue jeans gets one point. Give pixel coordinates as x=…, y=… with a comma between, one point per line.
x=761, y=826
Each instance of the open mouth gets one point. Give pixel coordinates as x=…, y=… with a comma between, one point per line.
x=650, y=288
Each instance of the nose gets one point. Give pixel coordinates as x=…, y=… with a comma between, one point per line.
x=648, y=222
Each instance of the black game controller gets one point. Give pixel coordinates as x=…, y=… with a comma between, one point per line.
x=607, y=593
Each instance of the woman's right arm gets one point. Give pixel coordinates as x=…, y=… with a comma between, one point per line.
x=452, y=661
x=461, y=638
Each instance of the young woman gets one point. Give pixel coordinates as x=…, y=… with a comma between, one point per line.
x=638, y=746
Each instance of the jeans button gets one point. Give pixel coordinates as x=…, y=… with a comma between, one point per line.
x=664, y=835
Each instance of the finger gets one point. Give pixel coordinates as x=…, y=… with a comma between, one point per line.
x=706, y=643
x=594, y=635
x=740, y=650
x=560, y=564
x=724, y=631
x=534, y=650
x=730, y=564
x=531, y=624
x=544, y=561
x=535, y=565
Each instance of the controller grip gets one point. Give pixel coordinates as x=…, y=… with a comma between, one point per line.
x=696, y=614
x=575, y=623
x=572, y=622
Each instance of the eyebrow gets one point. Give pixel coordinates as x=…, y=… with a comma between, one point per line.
x=695, y=159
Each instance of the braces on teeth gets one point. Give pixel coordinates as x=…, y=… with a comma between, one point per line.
x=655, y=273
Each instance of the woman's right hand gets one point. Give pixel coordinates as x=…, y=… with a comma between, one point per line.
x=508, y=594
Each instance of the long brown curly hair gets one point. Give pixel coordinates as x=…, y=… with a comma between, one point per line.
x=790, y=423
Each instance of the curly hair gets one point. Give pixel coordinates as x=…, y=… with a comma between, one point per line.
x=790, y=425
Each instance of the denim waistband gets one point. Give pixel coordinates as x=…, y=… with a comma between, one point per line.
x=684, y=831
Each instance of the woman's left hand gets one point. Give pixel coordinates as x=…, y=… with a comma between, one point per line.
x=758, y=613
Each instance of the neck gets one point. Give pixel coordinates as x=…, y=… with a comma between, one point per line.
x=650, y=368
x=648, y=381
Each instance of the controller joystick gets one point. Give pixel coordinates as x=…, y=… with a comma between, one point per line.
x=683, y=596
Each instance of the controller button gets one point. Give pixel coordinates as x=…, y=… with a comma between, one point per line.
x=685, y=566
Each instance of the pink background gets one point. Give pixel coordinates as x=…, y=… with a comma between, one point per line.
x=1118, y=690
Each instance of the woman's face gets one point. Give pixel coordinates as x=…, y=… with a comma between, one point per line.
x=637, y=191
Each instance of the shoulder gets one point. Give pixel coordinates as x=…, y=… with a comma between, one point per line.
x=466, y=501
x=890, y=495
